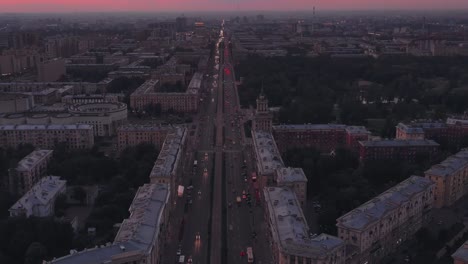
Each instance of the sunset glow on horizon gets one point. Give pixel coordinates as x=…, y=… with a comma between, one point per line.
x=219, y=5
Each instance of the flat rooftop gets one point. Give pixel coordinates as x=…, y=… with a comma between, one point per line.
x=144, y=127
x=136, y=235
x=146, y=87
x=170, y=153
x=267, y=153
x=310, y=127
x=289, y=227
x=40, y=194
x=450, y=165
x=357, y=130
x=374, y=210
x=47, y=127
x=399, y=143
x=32, y=159
x=142, y=227
x=195, y=83
x=288, y=174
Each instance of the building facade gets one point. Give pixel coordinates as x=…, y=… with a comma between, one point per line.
x=167, y=168
x=453, y=131
x=407, y=150
x=50, y=70
x=450, y=178
x=77, y=136
x=289, y=232
x=295, y=179
x=263, y=118
x=132, y=135
x=323, y=137
x=147, y=94
x=379, y=226
x=29, y=171
x=39, y=201
x=104, y=117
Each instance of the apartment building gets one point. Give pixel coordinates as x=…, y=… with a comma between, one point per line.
x=28, y=171
x=453, y=131
x=50, y=70
x=147, y=94
x=450, y=178
x=289, y=232
x=61, y=46
x=76, y=136
x=168, y=166
x=267, y=157
x=39, y=201
x=295, y=179
x=324, y=137
x=12, y=103
x=140, y=238
x=376, y=228
x=407, y=150
x=132, y=135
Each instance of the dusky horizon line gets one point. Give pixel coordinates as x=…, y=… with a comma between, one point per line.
x=170, y=11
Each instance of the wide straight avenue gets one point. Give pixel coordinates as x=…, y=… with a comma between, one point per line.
x=220, y=213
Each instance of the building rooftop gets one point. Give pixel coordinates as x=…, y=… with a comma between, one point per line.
x=311, y=127
x=146, y=87
x=356, y=130
x=144, y=127
x=40, y=194
x=450, y=165
x=289, y=226
x=136, y=235
x=461, y=253
x=32, y=159
x=267, y=153
x=195, y=83
x=372, y=211
x=288, y=174
x=46, y=127
x=418, y=127
x=142, y=227
x=171, y=150
x=399, y=143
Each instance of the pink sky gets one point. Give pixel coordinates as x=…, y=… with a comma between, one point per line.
x=201, y=5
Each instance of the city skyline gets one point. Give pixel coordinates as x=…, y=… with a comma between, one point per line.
x=33, y=6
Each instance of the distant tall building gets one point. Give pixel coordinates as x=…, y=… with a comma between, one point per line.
x=263, y=118
x=61, y=46
x=51, y=70
x=181, y=24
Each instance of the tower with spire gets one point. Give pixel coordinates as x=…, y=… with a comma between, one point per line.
x=263, y=118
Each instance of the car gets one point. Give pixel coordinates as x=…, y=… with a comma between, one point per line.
x=199, y=192
x=190, y=260
x=179, y=251
x=197, y=236
x=243, y=192
x=244, y=197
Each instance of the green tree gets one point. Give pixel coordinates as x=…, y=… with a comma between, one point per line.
x=35, y=253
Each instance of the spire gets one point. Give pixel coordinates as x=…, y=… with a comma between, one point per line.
x=261, y=91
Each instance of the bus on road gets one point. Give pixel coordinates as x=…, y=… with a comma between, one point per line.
x=250, y=256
